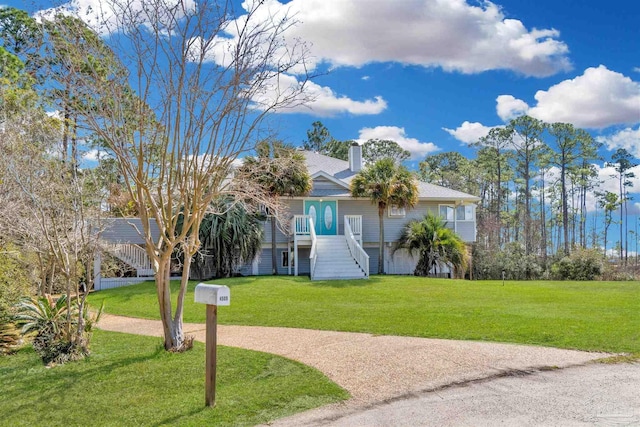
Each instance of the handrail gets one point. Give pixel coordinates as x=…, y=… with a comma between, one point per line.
x=359, y=255
x=301, y=225
x=355, y=223
x=313, y=256
x=133, y=255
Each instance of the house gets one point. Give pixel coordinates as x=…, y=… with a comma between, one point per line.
x=332, y=235
x=343, y=242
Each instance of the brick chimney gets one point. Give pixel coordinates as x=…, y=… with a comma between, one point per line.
x=355, y=157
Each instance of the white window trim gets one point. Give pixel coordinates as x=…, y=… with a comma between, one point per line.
x=465, y=220
x=394, y=211
x=448, y=206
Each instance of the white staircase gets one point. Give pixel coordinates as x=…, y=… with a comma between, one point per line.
x=334, y=260
x=134, y=256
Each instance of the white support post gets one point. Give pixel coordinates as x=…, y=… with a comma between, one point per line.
x=295, y=257
x=97, y=266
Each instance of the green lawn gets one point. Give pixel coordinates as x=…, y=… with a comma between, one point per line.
x=131, y=381
x=601, y=316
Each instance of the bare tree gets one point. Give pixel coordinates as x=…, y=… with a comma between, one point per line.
x=47, y=206
x=187, y=96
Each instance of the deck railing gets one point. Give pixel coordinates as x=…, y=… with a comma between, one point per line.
x=313, y=256
x=358, y=254
x=301, y=225
x=135, y=256
x=355, y=223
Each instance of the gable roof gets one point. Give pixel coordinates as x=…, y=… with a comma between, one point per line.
x=338, y=171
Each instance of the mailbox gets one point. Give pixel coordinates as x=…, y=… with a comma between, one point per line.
x=212, y=294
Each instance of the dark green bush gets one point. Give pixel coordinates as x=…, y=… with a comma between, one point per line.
x=489, y=265
x=582, y=264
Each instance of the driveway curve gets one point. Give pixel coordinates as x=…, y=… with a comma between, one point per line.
x=377, y=368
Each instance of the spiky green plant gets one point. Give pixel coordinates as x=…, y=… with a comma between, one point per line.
x=434, y=243
x=58, y=334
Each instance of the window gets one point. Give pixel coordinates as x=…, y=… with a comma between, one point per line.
x=395, y=211
x=285, y=259
x=446, y=212
x=464, y=213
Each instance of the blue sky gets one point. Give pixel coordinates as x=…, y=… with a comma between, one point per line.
x=435, y=75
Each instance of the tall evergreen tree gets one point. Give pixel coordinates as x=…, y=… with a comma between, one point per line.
x=564, y=157
x=527, y=143
x=622, y=161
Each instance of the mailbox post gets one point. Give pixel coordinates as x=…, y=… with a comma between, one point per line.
x=212, y=296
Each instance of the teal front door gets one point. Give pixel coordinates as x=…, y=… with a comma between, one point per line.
x=324, y=214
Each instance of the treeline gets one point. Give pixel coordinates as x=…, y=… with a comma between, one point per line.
x=536, y=182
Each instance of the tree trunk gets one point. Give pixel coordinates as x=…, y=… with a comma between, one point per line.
x=381, y=209
x=565, y=210
x=172, y=328
x=274, y=257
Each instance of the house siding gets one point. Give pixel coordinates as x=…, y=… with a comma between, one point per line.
x=126, y=230
x=393, y=226
x=323, y=184
x=294, y=207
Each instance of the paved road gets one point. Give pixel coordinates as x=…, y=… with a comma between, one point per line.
x=590, y=395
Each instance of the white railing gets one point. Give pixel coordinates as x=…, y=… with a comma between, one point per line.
x=355, y=223
x=358, y=254
x=135, y=256
x=301, y=225
x=313, y=256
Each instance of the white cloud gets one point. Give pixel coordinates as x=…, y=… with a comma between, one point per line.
x=365, y=78
x=609, y=182
x=468, y=132
x=597, y=99
x=397, y=134
x=509, y=107
x=105, y=17
x=628, y=138
x=91, y=155
x=316, y=100
x=606, y=181
x=56, y=114
x=636, y=69
x=450, y=34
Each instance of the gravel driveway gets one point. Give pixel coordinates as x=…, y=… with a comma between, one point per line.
x=377, y=368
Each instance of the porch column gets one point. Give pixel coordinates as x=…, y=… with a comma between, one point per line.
x=295, y=256
x=289, y=257
x=97, y=266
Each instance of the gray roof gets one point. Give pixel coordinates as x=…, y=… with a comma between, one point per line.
x=339, y=169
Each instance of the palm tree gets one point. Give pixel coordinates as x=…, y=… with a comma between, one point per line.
x=230, y=237
x=280, y=171
x=434, y=242
x=385, y=184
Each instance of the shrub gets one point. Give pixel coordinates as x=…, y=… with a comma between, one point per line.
x=58, y=334
x=9, y=337
x=14, y=281
x=512, y=260
x=582, y=264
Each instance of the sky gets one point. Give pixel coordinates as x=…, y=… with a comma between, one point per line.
x=436, y=75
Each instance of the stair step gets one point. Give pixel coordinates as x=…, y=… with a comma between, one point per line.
x=335, y=261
